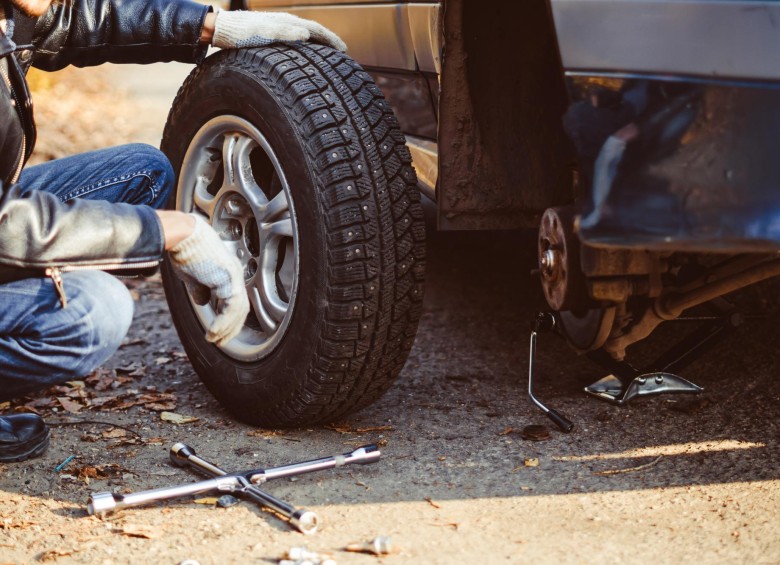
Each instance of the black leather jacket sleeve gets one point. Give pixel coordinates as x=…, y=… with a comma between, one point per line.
x=37, y=230
x=90, y=32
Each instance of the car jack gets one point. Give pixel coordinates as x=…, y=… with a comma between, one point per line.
x=625, y=382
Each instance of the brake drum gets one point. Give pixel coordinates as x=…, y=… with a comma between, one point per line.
x=585, y=324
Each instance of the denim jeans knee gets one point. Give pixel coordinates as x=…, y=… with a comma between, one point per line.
x=42, y=343
x=135, y=173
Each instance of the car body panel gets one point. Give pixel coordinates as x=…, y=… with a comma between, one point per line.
x=391, y=35
x=675, y=115
x=724, y=39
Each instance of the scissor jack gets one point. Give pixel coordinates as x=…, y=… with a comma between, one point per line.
x=625, y=382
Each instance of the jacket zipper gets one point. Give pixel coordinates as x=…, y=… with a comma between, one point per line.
x=20, y=165
x=55, y=273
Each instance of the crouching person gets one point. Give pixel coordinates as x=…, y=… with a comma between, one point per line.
x=64, y=222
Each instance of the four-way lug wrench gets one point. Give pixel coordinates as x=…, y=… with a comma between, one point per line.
x=243, y=483
x=301, y=519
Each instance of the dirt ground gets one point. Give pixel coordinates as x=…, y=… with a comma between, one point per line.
x=665, y=480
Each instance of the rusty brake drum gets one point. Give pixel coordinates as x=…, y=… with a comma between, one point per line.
x=585, y=323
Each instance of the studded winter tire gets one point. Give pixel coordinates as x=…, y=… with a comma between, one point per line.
x=296, y=159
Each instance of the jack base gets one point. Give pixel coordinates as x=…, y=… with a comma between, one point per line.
x=611, y=389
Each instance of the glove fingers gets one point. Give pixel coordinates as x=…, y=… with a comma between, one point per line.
x=282, y=32
x=230, y=319
x=252, y=29
x=321, y=34
x=314, y=31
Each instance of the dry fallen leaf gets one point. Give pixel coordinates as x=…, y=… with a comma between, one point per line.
x=531, y=462
x=162, y=360
x=345, y=428
x=210, y=500
x=107, y=471
x=340, y=428
x=104, y=380
x=150, y=400
x=53, y=554
x=139, y=531
x=125, y=442
x=175, y=418
x=69, y=405
x=453, y=525
x=374, y=429
x=130, y=367
x=114, y=433
x=264, y=433
x=161, y=406
x=139, y=372
x=22, y=525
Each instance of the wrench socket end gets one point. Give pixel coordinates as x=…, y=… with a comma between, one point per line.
x=101, y=503
x=305, y=521
x=180, y=452
x=366, y=454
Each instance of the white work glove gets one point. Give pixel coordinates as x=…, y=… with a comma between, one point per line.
x=207, y=267
x=238, y=28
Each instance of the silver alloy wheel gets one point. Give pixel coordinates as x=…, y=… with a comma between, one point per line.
x=231, y=176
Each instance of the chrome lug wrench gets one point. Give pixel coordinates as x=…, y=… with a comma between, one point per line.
x=360, y=456
x=303, y=520
x=105, y=502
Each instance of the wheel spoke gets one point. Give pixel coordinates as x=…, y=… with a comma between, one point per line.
x=265, y=282
x=206, y=171
x=282, y=228
x=236, y=153
x=203, y=200
x=268, y=324
x=277, y=206
x=228, y=158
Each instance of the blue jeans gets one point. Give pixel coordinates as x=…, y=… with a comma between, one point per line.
x=41, y=343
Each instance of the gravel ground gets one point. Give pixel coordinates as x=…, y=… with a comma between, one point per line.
x=666, y=480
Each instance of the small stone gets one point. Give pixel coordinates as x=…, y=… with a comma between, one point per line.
x=226, y=501
x=535, y=432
